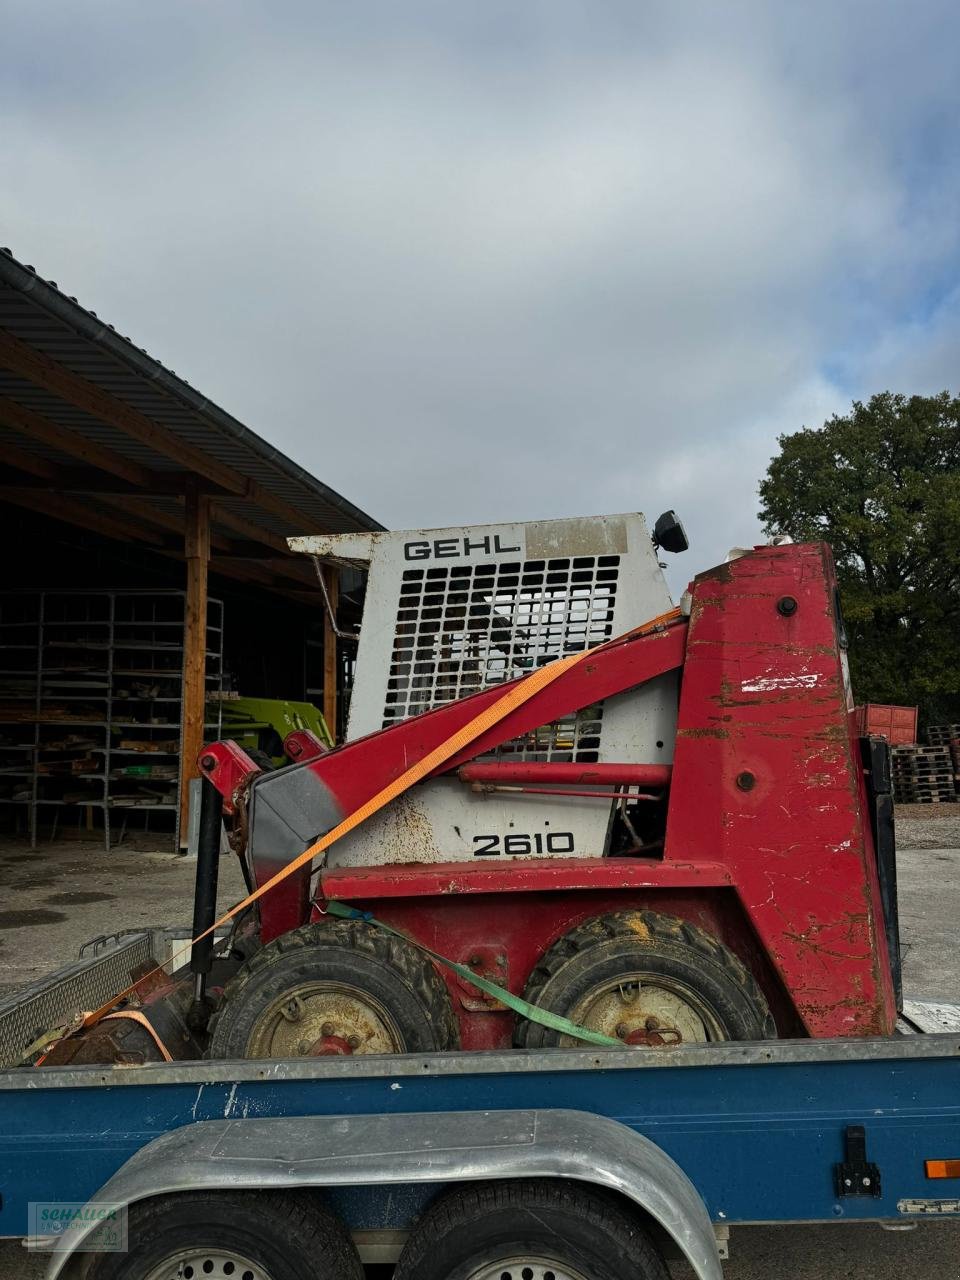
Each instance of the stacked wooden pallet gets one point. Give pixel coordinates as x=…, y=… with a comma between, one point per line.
x=924, y=775
x=947, y=735
x=940, y=734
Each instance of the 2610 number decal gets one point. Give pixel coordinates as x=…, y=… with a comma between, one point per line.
x=558, y=842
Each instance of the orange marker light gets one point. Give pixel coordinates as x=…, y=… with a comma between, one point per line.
x=942, y=1168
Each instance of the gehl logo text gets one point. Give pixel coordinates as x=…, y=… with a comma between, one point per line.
x=447, y=548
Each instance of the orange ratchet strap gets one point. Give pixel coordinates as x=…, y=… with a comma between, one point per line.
x=134, y=1015
x=515, y=697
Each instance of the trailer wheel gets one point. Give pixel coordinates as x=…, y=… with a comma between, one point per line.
x=333, y=989
x=648, y=979
x=529, y=1230
x=231, y=1236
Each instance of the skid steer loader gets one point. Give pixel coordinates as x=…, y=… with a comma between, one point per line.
x=636, y=824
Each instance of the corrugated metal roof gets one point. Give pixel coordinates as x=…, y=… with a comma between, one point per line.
x=37, y=313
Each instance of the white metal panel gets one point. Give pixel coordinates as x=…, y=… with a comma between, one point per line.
x=451, y=611
x=559, y=599
x=445, y=821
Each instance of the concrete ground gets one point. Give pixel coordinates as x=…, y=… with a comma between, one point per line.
x=57, y=898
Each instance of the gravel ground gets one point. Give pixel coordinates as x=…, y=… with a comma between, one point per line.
x=70, y=893
x=928, y=826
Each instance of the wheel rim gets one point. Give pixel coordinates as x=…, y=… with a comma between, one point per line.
x=526, y=1267
x=207, y=1264
x=644, y=1008
x=318, y=1018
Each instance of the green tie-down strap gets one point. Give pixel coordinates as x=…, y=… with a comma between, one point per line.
x=541, y=1016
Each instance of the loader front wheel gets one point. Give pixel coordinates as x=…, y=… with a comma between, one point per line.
x=649, y=980
x=335, y=989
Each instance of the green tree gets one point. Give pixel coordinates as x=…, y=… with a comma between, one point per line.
x=882, y=485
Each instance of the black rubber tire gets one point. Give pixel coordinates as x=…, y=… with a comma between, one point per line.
x=607, y=946
x=391, y=969
x=290, y=1234
x=568, y=1223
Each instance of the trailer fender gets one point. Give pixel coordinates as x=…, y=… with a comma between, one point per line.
x=326, y=1151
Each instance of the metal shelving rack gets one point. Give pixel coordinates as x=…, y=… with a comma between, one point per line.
x=102, y=670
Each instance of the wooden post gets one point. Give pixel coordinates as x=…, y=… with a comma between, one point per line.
x=331, y=577
x=197, y=552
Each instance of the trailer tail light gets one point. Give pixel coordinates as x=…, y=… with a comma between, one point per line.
x=942, y=1168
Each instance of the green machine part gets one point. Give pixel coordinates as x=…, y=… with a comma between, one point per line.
x=261, y=724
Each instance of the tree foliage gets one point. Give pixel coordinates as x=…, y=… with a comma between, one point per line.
x=882, y=485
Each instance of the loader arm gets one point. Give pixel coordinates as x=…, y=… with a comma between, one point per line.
x=288, y=809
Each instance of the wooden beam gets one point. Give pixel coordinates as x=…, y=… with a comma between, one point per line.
x=244, y=549
x=108, y=472
x=254, y=576
x=85, y=517
x=222, y=547
x=82, y=515
x=312, y=599
x=230, y=520
x=331, y=576
x=266, y=570
x=67, y=479
x=50, y=477
x=39, y=469
x=43, y=371
x=196, y=545
x=145, y=509
x=72, y=443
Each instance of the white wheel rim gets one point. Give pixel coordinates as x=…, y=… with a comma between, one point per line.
x=207, y=1264
x=638, y=1002
x=527, y=1267
x=297, y=1020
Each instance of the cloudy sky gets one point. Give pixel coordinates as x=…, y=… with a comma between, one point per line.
x=479, y=259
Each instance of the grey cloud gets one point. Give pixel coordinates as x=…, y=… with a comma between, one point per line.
x=495, y=260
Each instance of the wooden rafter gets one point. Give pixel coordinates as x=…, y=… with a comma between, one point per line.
x=43, y=371
x=83, y=516
x=87, y=517
x=72, y=443
x=106, y=471
x=40, y=470
x=222, y=547
x=230, y=520
x=90, y=480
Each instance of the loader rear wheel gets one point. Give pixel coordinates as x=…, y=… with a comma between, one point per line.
x=647, y=979
x=333, y=989
x=216, y=1235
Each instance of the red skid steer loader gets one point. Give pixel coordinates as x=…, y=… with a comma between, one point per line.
x=675, y=837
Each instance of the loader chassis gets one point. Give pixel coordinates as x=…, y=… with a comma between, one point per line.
x=766, y=833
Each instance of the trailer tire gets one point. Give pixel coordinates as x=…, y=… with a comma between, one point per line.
x=675, y=966
x=529, y=1228
x=215, y=1234
x=360, y=990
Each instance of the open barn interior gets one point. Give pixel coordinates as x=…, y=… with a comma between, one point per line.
x=150, y=601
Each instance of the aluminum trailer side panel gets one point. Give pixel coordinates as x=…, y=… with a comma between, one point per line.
x=758, y=1128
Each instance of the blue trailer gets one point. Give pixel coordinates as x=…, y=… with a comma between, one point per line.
x=529, y=1165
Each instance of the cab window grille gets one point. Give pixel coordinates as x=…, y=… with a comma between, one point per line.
x=463, y=628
